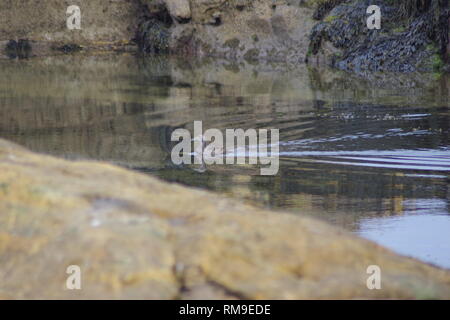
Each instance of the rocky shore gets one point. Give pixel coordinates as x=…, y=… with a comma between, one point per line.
x=413, y=36
x=134, y=236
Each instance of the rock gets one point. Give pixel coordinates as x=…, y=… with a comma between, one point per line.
x=18, y=49
x=179, y=9
x=103, y=23
x=153, y=37
x=412, y=37
x=266, y=30
x=69, y=48
x=134, y=236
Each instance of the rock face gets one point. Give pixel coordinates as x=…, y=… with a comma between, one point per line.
x=43, y=24
x=414, y=37
x=239, y=29
x=263, y=29
x=134, y=236
x=46, y=21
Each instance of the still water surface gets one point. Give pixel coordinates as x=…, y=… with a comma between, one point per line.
x=370, y=155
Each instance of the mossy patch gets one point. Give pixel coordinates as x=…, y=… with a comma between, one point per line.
x=399, y=29
x=330, y=19
x=437, y=63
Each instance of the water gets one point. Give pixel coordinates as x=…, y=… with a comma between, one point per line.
x=369, y=155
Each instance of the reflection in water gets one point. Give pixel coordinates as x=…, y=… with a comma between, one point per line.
x=372, y=155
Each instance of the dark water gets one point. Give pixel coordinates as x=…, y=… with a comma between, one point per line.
x=372, y=156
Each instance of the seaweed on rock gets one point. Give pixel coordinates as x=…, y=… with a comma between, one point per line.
x=153, y=33
x=413, y=37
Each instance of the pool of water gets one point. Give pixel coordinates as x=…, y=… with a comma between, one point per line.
x=371, y=155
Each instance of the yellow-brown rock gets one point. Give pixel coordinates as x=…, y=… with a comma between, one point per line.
x=179, y=9
x=137, y=237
